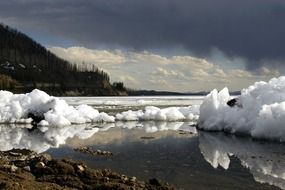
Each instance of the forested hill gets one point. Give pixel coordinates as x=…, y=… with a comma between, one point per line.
x=25, y=65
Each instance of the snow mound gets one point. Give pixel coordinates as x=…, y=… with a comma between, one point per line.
x=37, y=106
x=17, y=108
x=151, y=113
x=260, y=113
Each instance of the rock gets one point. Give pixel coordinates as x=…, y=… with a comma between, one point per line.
x=87, y=150
x=64, y=173
x=22, y=158
x=109, y=153
x=6, y=166
x=36, y=117
x=234, y=102
x=27, y=168
x=15, y=154
x=10, y=168
x=62, y=167
x=32, y=156
x=133, y=179
x=124, y=178
x=80, y=168
x=13, y=168
x=106, y=179
x=45, y=158
x=147, y=138
x=2, y=185
x=154, y=182
x=40, y=165
x=142, y=185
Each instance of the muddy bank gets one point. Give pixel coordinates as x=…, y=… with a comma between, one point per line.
x=24, y=169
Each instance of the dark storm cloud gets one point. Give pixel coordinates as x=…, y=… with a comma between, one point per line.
x=252, y=29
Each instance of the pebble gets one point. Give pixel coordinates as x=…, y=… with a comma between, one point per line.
x=90, y=151
x=15, y=154
x=14, y=168
x=40, y=165
x=80, y=168
x=45, y=157
x=142, y=185
x=27, y=168
x=133, y=179
x=154, y=181
x=124, y=178
x=146, y=138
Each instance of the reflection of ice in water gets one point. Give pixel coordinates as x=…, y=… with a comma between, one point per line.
x=40, y=141
x=154, y=126
x=15, y=136
x=265, y=161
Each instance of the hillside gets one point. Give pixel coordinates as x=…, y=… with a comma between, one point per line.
x=25, y=65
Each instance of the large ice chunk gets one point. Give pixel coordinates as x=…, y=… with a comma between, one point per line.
x=48, y=110
x=17, y=108
x=261, y=112
x=152, y=113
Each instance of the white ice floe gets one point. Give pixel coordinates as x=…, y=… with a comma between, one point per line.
x=15, y=108
x=260, y=113
x=134, y=101
x=151, y=113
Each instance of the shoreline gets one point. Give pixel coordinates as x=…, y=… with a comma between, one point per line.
x=25, y=169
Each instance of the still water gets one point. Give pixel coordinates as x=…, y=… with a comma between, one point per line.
x=188, y=161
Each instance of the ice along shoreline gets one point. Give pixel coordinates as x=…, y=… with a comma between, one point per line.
x=259, y=113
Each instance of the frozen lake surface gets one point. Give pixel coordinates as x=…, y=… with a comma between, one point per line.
x=111, y=104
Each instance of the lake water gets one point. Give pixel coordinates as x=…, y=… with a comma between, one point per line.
x=186, y=158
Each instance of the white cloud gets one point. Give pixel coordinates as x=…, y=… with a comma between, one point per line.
x=147, y=56
x=146, y=70
x=219, y=73
x=129, y=80
x=199, y=73
x=90, y=56
x=168, y=73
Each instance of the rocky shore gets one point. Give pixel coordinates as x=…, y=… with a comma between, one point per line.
x=90, y=151
x=25, y=169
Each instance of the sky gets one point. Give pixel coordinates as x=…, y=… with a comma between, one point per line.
x=181, y=45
